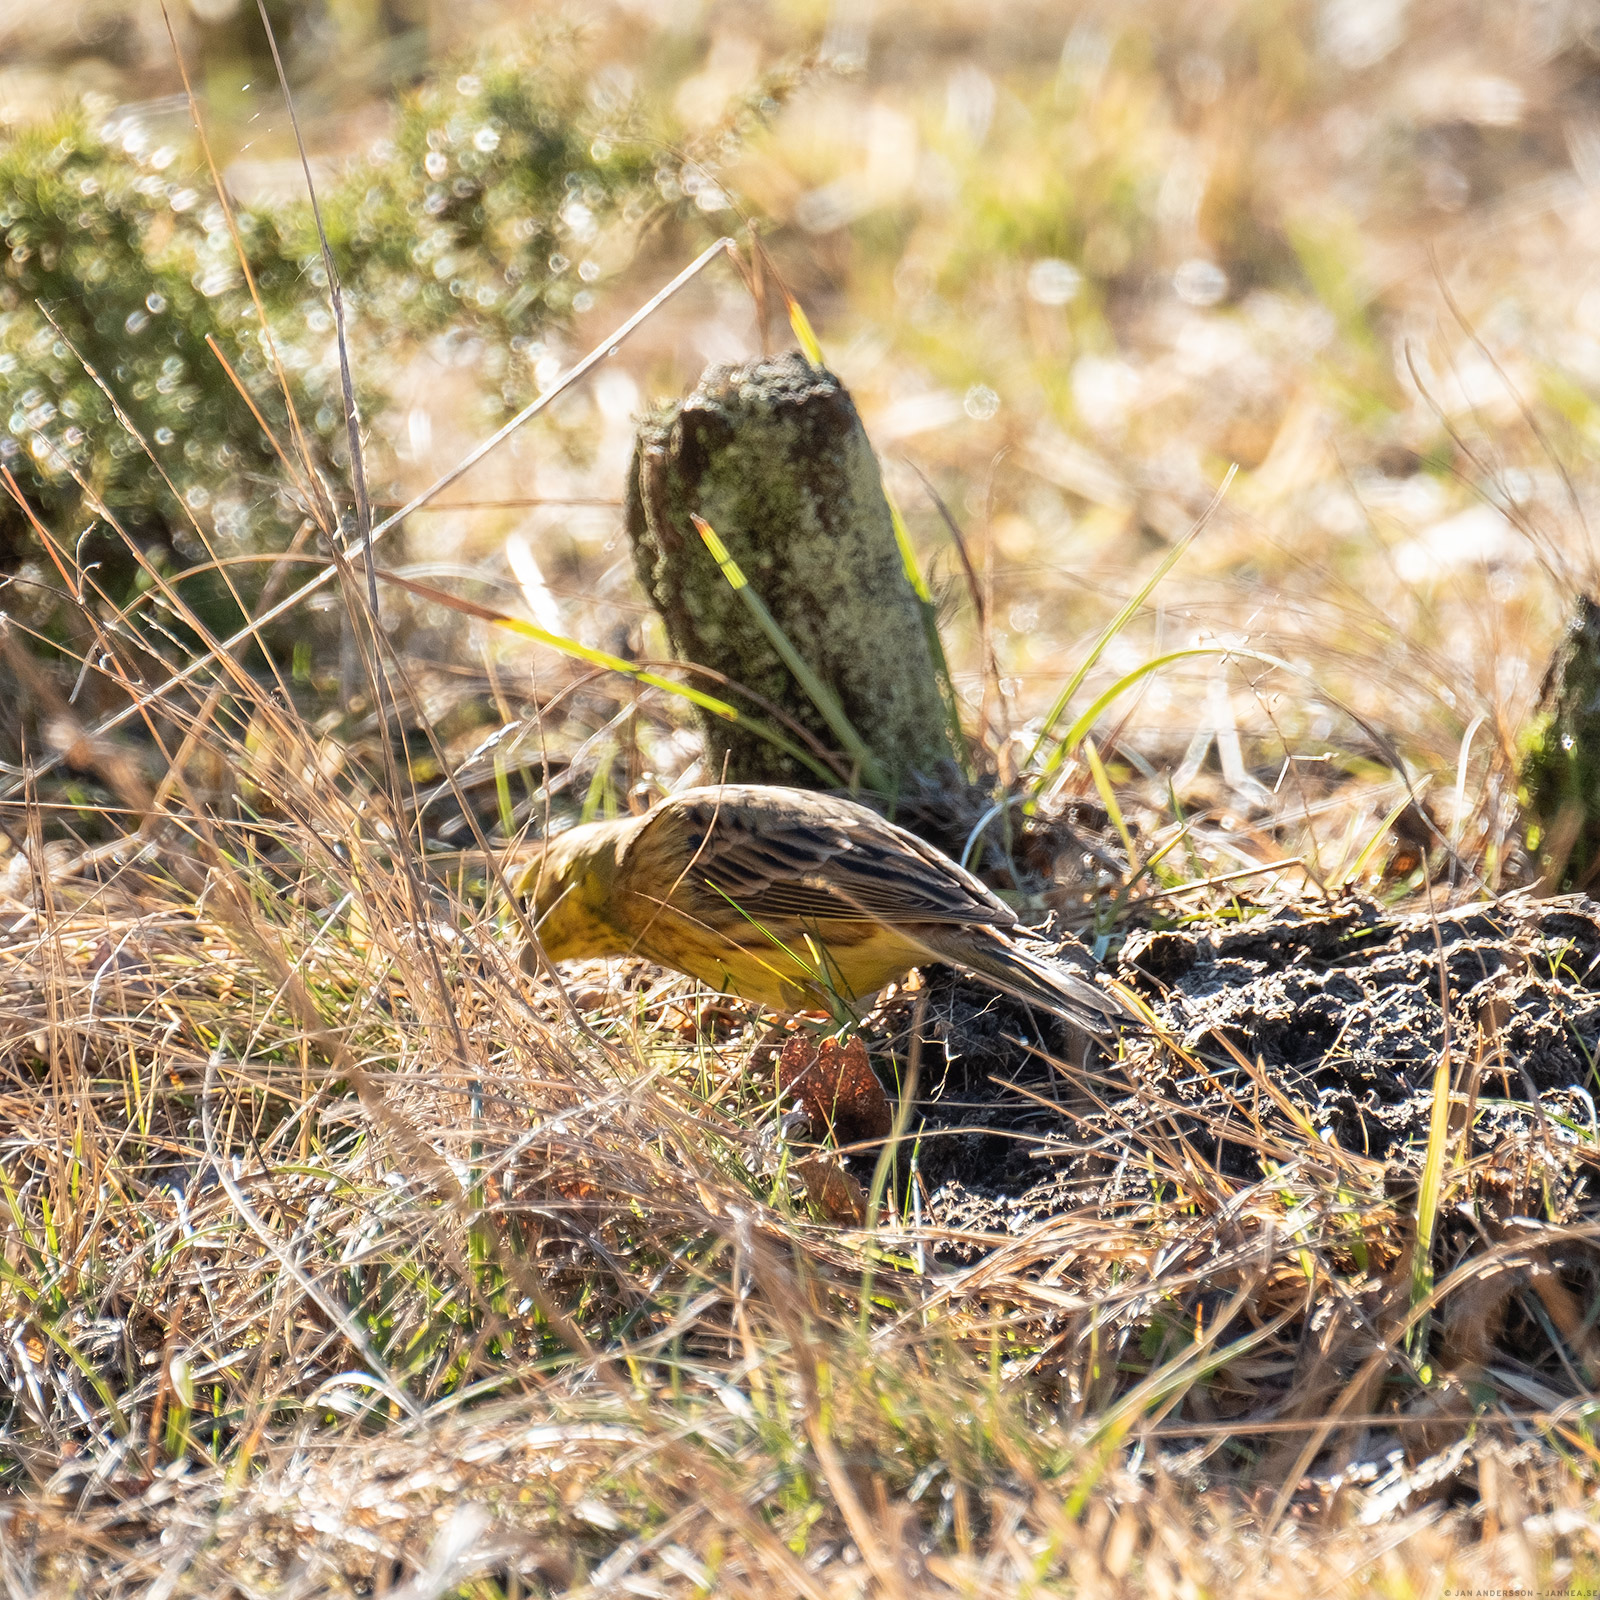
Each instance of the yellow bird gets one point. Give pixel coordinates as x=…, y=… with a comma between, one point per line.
x=788, y=898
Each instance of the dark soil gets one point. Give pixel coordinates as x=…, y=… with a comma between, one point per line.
x=1334, y=1015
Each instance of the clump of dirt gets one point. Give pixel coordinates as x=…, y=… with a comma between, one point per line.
x=1327, y=1014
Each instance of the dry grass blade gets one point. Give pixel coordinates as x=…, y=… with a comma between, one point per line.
x=342, y=1256
x=352, y=419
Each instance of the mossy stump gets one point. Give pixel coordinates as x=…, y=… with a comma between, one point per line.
x=1560, y=778
x=773, y=456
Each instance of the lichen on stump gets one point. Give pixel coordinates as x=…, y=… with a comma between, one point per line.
x=1560, y=777
x=773, y=456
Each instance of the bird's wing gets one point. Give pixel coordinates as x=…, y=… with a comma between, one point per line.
x=817, y=859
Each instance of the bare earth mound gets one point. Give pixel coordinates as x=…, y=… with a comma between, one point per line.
x=1327, y=1016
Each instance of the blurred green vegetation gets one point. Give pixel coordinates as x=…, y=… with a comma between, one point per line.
x=1560, y=776
x=485, y=214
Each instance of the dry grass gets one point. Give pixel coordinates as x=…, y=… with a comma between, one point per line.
x=343, y=1259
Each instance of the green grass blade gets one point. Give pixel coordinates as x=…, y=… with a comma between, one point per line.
x=1429, y=1192
x=1120, y=621
x=930, y=627
x=1354, y=870
x=816, y=969
x=820, y=695
x=611, y=663
x=803, y=333
x=502, y=794
x=1075, y=735
x=1108, y=798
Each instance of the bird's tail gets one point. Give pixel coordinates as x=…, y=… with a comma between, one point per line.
x=1051, y=984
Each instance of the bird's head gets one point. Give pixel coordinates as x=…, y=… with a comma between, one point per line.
x=566, y=890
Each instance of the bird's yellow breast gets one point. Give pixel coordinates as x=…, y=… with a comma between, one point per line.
x=784, y=966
